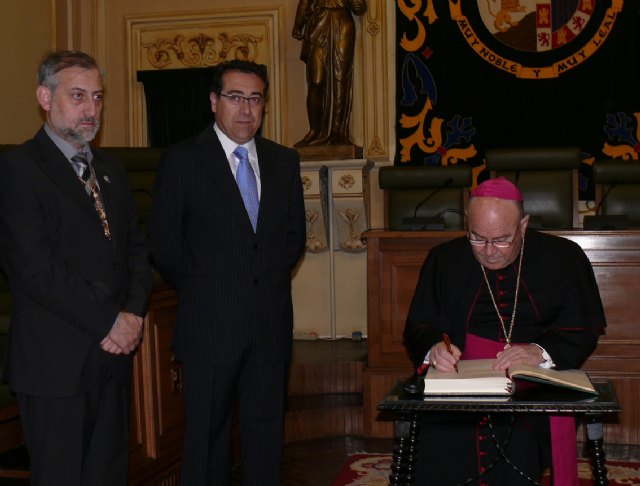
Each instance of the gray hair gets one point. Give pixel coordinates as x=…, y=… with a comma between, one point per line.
x=56, y=61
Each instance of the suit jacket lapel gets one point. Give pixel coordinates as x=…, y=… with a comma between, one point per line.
x=214, y=159
x=268, y=184
x=59, y=170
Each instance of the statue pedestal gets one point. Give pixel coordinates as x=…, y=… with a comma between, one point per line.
x=329, y=152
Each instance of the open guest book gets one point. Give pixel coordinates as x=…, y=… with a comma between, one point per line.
x=476, y=377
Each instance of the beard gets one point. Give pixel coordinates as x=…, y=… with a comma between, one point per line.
x=77, y=135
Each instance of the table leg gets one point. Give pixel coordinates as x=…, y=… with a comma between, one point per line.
x=404, y=452
x=595, y=437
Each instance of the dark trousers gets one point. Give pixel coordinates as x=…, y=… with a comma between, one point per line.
x=80, y=440
x=210, y=396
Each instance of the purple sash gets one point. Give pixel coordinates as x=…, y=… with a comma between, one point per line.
x=563, y=428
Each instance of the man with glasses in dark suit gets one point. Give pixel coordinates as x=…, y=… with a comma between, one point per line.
x=227, y=228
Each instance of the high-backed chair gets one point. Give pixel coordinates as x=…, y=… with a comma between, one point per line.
x=141, y=164
x=425, y=197
x=617, y=195
x=548, y=178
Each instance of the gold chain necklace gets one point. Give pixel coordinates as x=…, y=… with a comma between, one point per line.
x=91, y=186
x=507, y=335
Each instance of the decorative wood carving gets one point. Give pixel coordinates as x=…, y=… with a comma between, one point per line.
x=201, y=50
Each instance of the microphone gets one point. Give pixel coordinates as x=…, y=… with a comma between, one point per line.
x=605, y=222
x=437, y=221
x=604, y=196
x=417, y=223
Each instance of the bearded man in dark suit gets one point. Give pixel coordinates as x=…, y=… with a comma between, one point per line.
x=231, y=264
x=80, y=281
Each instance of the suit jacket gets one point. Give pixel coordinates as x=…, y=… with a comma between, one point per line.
x=234, y=285
x=68, y=282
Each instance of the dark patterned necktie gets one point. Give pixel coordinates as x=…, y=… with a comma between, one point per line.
x=87, y=176
x=246, y=179
x=81, y=166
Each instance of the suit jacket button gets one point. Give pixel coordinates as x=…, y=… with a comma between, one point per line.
x=255, y=281
x=255, y=246
x=115, y=266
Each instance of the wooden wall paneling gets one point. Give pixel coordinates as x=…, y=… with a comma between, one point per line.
x=394, y=263
x=158, y=383
x=137, y=419
x=615, y=257
x=376, y=386
x=324, y=400
x=615, y=432
x=169, y=378
x=374, y=303
x=624, y=428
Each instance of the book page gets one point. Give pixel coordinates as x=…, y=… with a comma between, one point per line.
x=575, y=379
x=474, y=377
x=477, y=377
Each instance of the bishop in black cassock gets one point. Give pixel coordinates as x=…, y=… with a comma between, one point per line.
x=464, y=286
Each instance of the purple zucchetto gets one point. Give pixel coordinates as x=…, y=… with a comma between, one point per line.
x=500, y=188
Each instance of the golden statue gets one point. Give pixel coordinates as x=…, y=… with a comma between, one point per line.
x=327, y=31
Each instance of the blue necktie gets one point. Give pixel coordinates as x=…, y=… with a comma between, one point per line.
x=246, y=180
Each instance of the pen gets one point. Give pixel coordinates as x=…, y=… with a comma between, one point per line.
x=447, y=342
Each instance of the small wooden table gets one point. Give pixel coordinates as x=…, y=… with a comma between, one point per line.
x=542, y=399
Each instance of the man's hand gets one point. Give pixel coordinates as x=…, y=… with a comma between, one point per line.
x=528, y=354
x=441, y=359
x=109, y=346
x=125, y=335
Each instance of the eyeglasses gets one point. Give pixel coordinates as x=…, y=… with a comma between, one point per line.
x=236, y=99
x=495, y=243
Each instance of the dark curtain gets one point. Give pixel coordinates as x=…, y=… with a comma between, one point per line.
x=178, y=105
x=482, y=106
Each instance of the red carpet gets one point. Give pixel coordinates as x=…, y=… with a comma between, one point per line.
x=365, y=470
x=373, y=470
